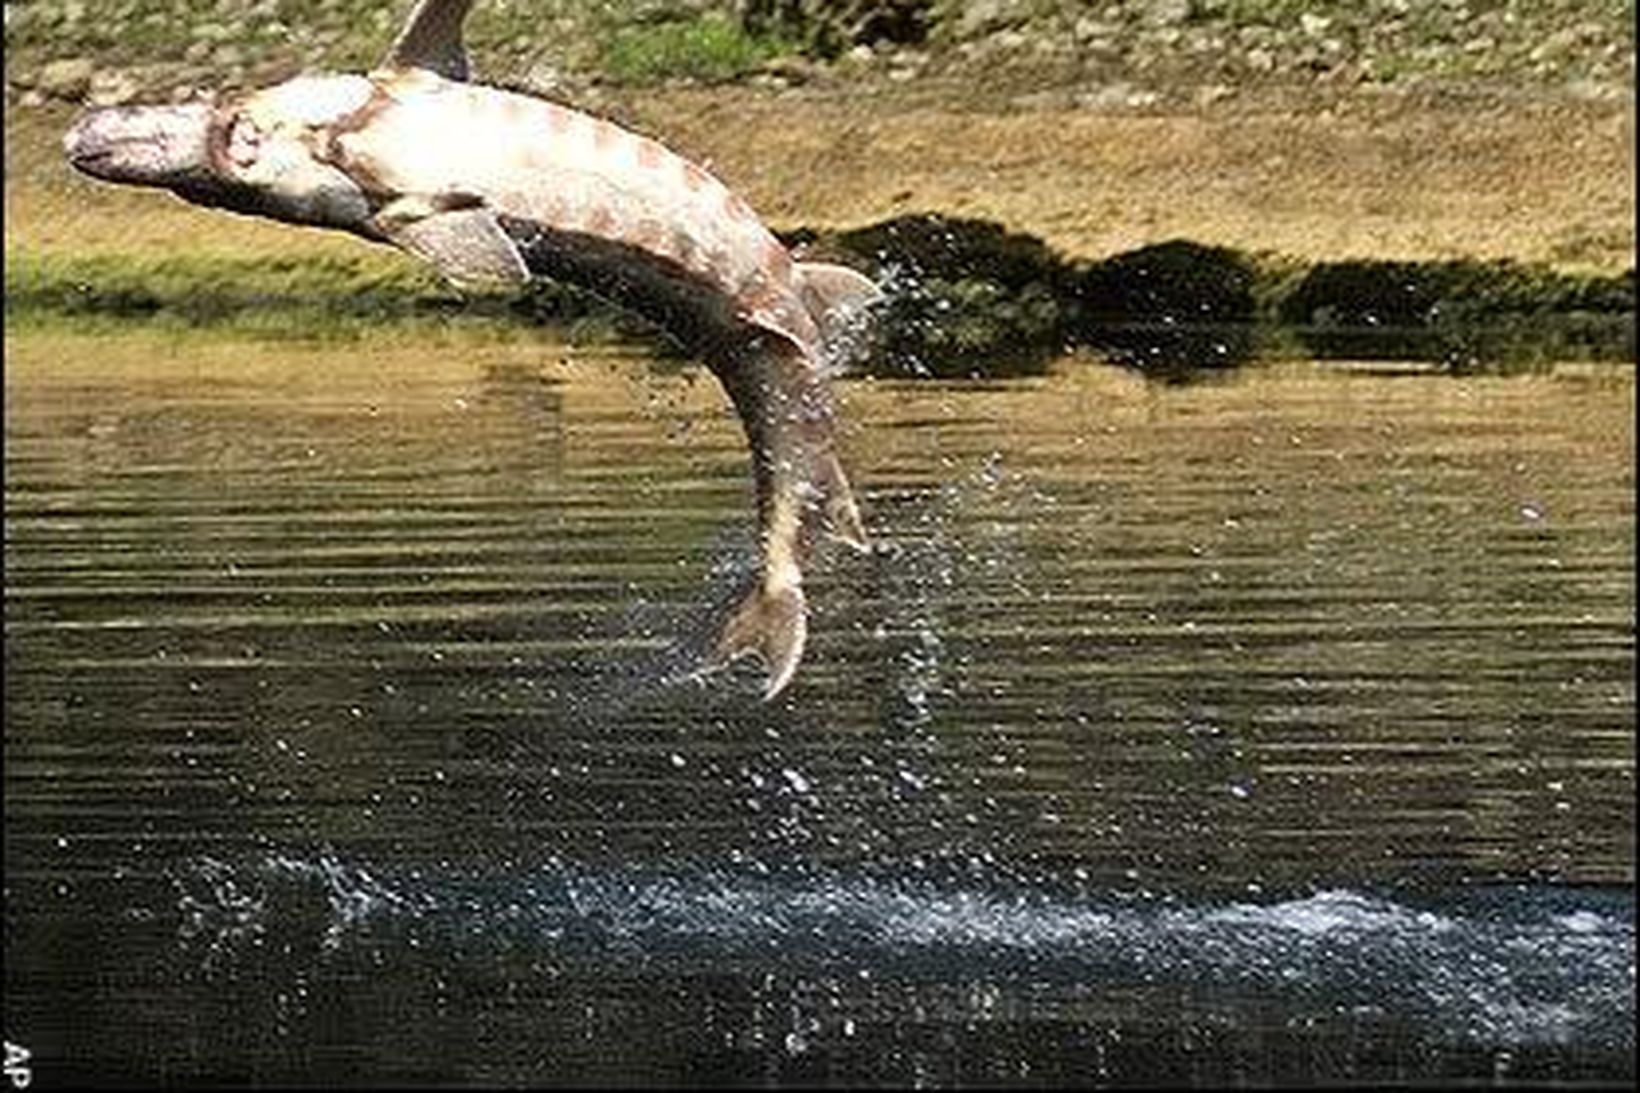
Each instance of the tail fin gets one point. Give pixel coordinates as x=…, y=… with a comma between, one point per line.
x=772, y=625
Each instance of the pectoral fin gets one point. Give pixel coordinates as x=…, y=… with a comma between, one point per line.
x=459, y=236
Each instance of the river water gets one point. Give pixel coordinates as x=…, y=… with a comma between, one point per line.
x=1277, y=728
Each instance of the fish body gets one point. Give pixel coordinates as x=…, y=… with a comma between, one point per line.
x=491, y=186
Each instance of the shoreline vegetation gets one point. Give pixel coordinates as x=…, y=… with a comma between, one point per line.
x=1172, y=184
x=964, y=298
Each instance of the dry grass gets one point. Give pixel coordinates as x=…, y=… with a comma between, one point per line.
x=1539, y=181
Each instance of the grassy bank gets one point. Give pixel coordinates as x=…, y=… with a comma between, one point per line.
x=964, y=298
x=307, y=298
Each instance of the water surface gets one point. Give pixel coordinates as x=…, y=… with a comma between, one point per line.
x=1278, y=728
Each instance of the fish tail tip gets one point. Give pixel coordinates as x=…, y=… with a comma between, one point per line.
x=770, y=624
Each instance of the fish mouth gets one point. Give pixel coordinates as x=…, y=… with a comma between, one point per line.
x=92, y=161
x=144, y=145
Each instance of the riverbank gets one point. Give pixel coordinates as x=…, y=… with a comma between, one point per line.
x=1360, y=175
x=1016, y=196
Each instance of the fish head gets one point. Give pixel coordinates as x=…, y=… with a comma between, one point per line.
x=142, y=145
x=264, y=153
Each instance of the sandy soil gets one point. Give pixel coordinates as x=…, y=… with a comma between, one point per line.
x=1491, y=175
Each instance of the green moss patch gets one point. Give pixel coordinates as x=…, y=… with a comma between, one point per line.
x=710, y=48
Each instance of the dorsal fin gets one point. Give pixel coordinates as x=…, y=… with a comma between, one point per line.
x=431, y=39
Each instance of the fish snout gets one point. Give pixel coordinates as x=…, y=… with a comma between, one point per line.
x=142, y=145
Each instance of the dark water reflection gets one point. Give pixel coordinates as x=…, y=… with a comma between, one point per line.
x=1278, y=729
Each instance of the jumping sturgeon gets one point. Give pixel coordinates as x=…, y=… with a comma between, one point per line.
x=490, y=186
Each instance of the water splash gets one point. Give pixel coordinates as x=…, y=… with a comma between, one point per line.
x=1515, y=966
